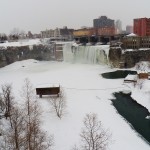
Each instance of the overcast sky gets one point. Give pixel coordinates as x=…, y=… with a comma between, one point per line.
x=37, y=15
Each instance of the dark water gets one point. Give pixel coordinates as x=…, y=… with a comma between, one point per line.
x=133, y=113
x=117, y=74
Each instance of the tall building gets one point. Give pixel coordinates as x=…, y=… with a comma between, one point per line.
x=103, y=22
x=142, y=26
x=129, y=29
x=118, y=26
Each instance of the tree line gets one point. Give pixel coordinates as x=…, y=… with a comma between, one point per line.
x=22, y=130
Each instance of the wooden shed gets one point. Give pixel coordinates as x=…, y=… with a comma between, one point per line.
x=52, y=90
x=142, y=74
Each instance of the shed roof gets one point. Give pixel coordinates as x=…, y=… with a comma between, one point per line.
x=48, y=85
x=130, y=77
x=141, y=71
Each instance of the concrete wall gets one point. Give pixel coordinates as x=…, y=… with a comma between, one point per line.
x=38, y=52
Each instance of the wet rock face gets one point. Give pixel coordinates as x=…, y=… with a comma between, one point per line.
x=127, y=58
x=115, y=56
x=38, y=52
x=133, y=57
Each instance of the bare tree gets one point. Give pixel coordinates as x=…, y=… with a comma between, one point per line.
x=25, y=130
x=6, y=104
x=58, y=104
x=16, y=34
x=24, y=134
x=14, y=135
x=93, y=136
x=27, y=93
x=3, y=37
x=35, y=137
x=7, y=99
x=2, y=104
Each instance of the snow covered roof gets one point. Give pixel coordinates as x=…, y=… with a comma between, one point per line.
x=141, y=71
x=130, y=77
x=132, y=34
x=48, y=85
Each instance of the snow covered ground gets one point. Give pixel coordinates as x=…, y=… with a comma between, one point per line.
x=86, y=92
x=25, y=42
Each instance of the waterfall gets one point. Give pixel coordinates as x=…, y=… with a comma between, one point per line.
x=85, y=54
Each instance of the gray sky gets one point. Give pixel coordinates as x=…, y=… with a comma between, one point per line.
x=37, y=15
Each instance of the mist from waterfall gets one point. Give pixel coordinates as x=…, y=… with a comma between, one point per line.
x=86, y=54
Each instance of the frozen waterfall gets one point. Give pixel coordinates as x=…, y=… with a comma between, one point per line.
x=85, y=54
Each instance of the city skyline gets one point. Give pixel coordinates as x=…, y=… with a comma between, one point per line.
x=38, y=15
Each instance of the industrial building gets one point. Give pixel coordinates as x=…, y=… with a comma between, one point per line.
x=94, y=35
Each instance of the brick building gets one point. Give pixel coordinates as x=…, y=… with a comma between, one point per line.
x=110, y=31
x=133, y=41
x=85, y=32
x=106, y=31
x=141, y=26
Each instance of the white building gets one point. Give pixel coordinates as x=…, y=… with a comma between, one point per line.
x=118, y=26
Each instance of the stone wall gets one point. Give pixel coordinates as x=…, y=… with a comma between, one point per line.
x=127, y=59
x=115, y=55
x=133, y=57
x=38, y=52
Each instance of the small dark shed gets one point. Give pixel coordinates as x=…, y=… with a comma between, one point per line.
x=52, y=90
